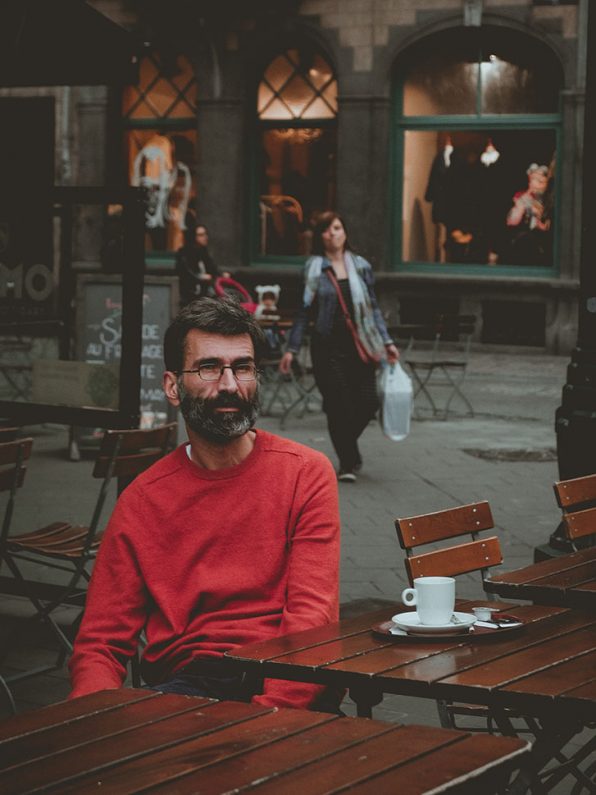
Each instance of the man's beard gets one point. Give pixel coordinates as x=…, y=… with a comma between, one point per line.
x=202, y=417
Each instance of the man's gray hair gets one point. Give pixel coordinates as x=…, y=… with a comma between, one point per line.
x=215, y=316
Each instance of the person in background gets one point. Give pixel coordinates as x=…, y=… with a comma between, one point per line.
x=230, y=539
x=195, y=267
x=347, y=384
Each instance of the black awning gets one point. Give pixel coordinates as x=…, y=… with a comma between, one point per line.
x=63, y=42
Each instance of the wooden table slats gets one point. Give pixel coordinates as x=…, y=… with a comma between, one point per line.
x=271, y=743
x=457, y=669
x=352, y=765
x=504, y=670
x=151, y=737
x=536, y=570
x=66, y=711
x=221, y=747
x=276, y=647
x=433, y=661
x=107, y=723
x=197, y=751
x=449, y=767
x=353, y=633
x=568, y=580
x=545, y=669
x=562, y=679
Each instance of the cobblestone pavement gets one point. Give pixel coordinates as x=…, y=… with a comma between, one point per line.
x=514, y=396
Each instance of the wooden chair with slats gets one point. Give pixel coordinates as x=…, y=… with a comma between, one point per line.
x=479, y=554
x=577, y=500
x=70, y=548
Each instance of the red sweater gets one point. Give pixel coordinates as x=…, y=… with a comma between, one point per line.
x=209, y=560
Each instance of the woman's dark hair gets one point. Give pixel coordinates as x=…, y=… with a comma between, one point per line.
x=216, y=316
x=190, y=233
x=322, y=222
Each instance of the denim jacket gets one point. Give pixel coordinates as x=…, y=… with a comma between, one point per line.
x=326, y=304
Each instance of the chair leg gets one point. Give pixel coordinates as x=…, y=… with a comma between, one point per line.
x=456, y=384
x=421, y=388
x=445, y=716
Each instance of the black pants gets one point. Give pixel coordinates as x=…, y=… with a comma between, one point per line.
x=210, y=679
x=350, y=401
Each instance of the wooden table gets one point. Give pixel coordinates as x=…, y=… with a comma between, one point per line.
x=546, y=669
x=569, y=580
x=123, y=741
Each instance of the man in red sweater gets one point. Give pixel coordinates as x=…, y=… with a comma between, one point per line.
x=231, y=538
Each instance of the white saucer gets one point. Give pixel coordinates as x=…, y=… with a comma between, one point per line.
x=411, y=623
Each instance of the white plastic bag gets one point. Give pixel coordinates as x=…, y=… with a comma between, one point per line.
x=395, y=392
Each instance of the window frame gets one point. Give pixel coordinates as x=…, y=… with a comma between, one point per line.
x=254, y=257
x=157, y=259
x=476, y=122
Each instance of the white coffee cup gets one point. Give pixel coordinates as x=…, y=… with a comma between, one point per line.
x=434, y=598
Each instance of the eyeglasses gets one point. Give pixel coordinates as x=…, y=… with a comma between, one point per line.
x=213, y=371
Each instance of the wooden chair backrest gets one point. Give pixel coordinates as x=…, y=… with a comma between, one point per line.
x=130, y=452
x=126, y=453
x=576, y=491
x=580, y=524
x=577, y=500
x=476, y=555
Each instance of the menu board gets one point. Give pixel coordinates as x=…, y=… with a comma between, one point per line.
x=99, y=325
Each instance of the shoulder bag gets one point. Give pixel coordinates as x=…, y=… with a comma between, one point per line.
x=363, y=352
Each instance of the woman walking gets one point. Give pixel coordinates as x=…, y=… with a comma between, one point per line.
x=348, y=328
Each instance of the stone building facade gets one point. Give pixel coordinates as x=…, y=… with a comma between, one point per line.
x=424, y=124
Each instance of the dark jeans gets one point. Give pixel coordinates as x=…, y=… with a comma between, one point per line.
x=210, y=679
x=350, y=401
x=205, y=679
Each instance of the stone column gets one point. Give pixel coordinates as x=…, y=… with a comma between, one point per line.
x=362, y=175
x=223, y=152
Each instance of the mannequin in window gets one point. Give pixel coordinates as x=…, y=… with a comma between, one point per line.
x=153, y=170
x=495, y=200
x=438, y=191
x=465, y=234
x=530, y=220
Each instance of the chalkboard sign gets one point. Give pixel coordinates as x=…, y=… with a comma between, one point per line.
x=99, y=315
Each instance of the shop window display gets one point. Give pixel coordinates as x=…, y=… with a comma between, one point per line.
x=296, y=109
x=479, y=197
x=159, y=116
x=479, y=187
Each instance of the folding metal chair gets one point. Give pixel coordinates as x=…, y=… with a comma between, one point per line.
x=13, y=467
x=444, y=367
x=72, y=548
x=292, y=392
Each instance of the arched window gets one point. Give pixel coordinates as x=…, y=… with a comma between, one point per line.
x=296, y=151
x=159, y=115
x=479, y=134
